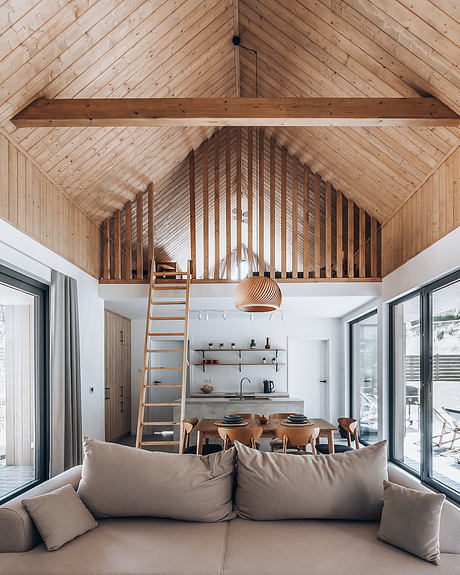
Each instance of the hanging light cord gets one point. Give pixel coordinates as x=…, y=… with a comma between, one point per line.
x=257, y=64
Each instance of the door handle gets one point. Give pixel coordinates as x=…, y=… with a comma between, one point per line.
x=122, y=391
x=107, y=393
x=121, y=336
x=121, y=406
x=323, y=380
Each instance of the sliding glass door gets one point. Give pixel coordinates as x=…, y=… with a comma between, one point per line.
x=425, y=371
x=23, y=359
x=364, y=376
x=445, y=376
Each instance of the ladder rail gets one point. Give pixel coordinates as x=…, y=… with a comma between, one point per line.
x=145, y=372
x=185, y=354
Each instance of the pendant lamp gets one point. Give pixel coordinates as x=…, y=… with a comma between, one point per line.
x=257, y=294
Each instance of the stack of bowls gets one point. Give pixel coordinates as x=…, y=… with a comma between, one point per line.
x=297, y=419
x=232, y=419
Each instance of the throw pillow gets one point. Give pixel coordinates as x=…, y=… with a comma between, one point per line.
x=59, y=516
x=273, y=486
x=410, y=520
x=120, y=481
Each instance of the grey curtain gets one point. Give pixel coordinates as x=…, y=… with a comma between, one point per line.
x=65, y=384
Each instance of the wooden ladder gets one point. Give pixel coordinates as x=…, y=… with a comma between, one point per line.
x=156, y=287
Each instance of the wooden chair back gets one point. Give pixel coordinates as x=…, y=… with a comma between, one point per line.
x=297, y=436
x=187, y=427
x=246, y=435
x=350, y=425
x=248, y=415
x=279, y=415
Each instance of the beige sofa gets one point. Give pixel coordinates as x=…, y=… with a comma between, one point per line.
x=239, y=547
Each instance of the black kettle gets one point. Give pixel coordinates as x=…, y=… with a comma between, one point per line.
x=269, y=386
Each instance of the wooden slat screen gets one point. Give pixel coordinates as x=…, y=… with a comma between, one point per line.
x=253, y=203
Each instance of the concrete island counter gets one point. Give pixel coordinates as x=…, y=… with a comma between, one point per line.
x=214, y=406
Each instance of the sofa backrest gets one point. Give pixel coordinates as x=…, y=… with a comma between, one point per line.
x=17, y=530
x=450, y=514
x=18, y=533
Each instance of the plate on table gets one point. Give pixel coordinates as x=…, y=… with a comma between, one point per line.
x=225, y=424
x=291, y=424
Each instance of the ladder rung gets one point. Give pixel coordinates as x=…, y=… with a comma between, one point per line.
x=169, y=273
x=156, y=404
x=168, y=302
x=172, y=318
x=155, y=334
x=159, y=442
x=165, y=385
x=170, y=287
x=165, y=350
x=155, y=367
x=160, y=423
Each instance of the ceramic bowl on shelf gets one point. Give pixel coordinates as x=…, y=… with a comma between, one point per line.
x=207, y=388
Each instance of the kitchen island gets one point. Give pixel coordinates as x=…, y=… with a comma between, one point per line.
x=217, y=405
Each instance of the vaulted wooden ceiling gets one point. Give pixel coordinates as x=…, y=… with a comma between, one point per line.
x=135, y=48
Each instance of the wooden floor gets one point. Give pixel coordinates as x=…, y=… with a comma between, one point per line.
x=14, y=476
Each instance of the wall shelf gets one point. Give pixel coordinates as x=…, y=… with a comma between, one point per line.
x=240, y=365
x=240, y=350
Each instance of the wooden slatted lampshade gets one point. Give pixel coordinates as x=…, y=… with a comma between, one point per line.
x=257, y=294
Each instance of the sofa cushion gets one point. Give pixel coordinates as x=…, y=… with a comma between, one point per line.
x=410, y=520
x=122, y=481
x=320, y=547
x=450, y=514
x=272, y=486
x=59, y=516
x=134, y=546
x=17, y=530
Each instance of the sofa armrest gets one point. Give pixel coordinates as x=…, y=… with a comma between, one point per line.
x=17, y=530
x=450, y=514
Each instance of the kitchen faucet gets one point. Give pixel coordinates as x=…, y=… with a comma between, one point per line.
x=241, y=386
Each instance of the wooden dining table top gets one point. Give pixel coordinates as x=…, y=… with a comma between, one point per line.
x=209, y=425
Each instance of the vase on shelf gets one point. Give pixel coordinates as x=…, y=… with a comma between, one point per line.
x=267, y=344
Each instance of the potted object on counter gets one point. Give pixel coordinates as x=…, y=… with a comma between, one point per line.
x=207, y=388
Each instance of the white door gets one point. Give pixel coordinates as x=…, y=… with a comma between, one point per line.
x=308, y=373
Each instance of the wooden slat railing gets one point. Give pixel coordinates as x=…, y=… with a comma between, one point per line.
x=250, y=201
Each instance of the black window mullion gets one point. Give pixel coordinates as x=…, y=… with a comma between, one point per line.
x=426, y=392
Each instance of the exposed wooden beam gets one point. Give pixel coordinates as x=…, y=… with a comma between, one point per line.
x=139, y=234
x=128, y=241
x=103, y=112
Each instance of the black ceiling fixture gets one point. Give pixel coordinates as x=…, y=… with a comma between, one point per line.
x=236, y=40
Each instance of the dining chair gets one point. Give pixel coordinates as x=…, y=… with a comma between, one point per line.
x=187, y=427
x=277, y=443
x=298, y=438
x=350, y=428
x=246, y=435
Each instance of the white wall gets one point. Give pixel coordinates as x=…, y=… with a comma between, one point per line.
x=22, y=253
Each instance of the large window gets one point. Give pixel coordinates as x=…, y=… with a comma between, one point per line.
x=425, y=369
x=23, y=377
x=364, y=376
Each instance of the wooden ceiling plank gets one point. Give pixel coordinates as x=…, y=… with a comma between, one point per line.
x=29, y=78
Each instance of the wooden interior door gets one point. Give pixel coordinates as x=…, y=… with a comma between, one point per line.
x=117, y=376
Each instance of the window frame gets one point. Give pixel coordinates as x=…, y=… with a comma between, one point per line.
x=366, y=315
x=425, y=294
x=40, y=291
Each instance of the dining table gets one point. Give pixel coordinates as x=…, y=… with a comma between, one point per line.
x=207, y=429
